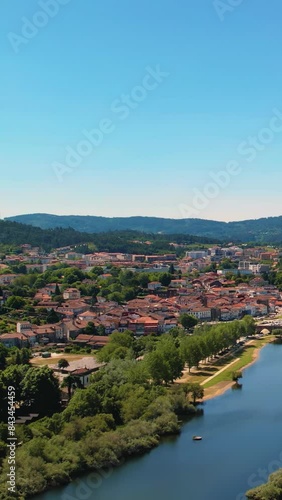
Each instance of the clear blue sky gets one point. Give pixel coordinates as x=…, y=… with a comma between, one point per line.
x=224, y=81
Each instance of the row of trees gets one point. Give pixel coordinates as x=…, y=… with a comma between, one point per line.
x=166, y=356
x=208, y=342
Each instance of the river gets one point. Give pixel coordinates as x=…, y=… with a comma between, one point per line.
x=242, y=444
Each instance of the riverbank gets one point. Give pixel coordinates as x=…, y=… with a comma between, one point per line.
x=216, y=378
x=221, y=387
x=234, y=421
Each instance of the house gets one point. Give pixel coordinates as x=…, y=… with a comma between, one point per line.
x=71, y=330
x=71, y=294
x=169, y=323
x=144, y=325
x=52, y=287
x=23, y=326
x=7, y=279
x=178, y=283
x=93, y=341
x=154, y=285
x=48, y=304
x=83, y=374
x=31, y=337
x=225, y=314
x=196, y=254
x=82, y=368
x=76, y=306
x=14, y=340
x=87, y=316
x=53, y=332
x=72, y=255
x=202, y=313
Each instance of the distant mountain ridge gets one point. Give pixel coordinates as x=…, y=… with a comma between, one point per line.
x=264, y=230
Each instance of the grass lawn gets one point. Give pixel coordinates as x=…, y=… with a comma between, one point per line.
x=247, y=355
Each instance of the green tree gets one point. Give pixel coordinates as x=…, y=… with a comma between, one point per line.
x=120, y=342
x=236, y=375
x=195, y=389
x=165, y=279
x=165, y=363
x=278, y=334
x=13, y=376
x=52, y=317
x=90, y=329
x=249, y=325
x=63, y=363
x=39, y=283
x=100, y=330
x=40, y=390
x=143, y=279
x=192, y=351
x=84, y=403
x=157, y=368
x=171, y=269
x=20, y=356
x=3, y=355
x=188, y=321
x=15, y=302
x=72, y=382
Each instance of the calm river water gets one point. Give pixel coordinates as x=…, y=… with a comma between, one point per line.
x=242, y=444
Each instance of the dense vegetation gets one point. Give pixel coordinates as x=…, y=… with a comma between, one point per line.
x=270, y=491
x=129, y=404
x=121, y=413
x=265, y=230
x=13, y=234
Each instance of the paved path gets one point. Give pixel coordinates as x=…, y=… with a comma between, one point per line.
x=220, y=371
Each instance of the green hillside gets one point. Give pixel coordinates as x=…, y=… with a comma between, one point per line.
x=266, y=230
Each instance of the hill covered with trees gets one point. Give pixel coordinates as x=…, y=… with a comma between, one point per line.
x=265, y=230
x=15, y=234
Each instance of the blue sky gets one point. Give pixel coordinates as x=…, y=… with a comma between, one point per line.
x=224, y=80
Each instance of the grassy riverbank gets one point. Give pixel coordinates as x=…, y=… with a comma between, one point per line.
x=216, y=384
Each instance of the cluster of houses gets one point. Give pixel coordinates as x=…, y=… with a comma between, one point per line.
x=208, y=296
x=251, y=260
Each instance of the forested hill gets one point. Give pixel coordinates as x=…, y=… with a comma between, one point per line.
x=15, y=234
x=266, y=230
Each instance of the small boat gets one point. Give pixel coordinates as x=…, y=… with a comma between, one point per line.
x=197, y=438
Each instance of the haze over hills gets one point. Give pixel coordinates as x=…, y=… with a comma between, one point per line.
x=264, y=230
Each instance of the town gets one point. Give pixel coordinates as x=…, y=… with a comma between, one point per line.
x=70, y=298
